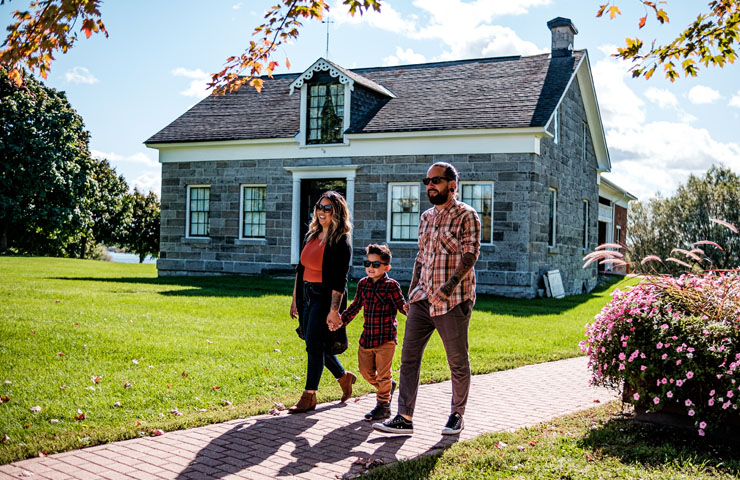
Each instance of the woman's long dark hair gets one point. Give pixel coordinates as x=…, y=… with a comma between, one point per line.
x=340, y=219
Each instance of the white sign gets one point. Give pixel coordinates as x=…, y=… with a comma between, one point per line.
x=556, y=283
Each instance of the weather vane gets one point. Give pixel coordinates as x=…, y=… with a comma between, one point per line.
x=327, y=22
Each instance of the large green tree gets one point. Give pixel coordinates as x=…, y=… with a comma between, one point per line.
x=45, y=169
x=140, y=234
x=48, y=26
x=663, y=225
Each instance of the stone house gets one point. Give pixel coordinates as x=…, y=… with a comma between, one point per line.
x=241, y=172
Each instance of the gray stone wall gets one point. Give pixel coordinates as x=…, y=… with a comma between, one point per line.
x=511, y=266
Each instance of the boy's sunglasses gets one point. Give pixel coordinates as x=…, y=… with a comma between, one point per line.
x=367, y=263
x=434, y=180
x=326, y=208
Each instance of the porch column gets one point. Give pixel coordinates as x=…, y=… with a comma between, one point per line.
x=295, y=223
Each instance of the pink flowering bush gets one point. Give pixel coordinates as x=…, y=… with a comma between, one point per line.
x=672, y=342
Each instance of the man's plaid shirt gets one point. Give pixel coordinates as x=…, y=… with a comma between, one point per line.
x=444, y=236
x=381, y=300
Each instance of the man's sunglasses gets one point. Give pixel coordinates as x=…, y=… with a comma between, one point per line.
x=367, y=263
x=326, y=208
x=434, y=180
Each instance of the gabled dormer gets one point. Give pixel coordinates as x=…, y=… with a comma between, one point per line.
x=335, y=101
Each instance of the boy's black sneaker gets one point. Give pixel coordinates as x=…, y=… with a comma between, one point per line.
x=397, y=426
x=382, y=410
x=454, y=425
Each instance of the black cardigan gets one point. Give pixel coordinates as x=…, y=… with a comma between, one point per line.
x=334, y=269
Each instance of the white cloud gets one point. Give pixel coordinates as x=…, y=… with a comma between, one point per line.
x=464, y=27
x=148, y=182
x=80, y=75
x=404, y=57
x=650, y=157
x=137, y=159
x=198, y=84
x=735, y=100
x=662, y=97
x=238, y=6
x=701, y=95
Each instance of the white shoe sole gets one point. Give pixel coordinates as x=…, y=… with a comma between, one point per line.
x=382, y=428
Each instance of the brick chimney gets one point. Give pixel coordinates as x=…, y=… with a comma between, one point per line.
x=563, y=31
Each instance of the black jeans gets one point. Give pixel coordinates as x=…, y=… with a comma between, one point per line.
x=315, y=331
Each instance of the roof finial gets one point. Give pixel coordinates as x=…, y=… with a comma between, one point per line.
x=327, y=22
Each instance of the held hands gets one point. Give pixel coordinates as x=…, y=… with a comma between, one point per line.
x=438, y=298
x=333, y=320
x=293, y=310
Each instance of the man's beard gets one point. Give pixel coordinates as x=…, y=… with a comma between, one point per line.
x=438, y=199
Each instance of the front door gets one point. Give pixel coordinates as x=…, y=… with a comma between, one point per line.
x=311, y=190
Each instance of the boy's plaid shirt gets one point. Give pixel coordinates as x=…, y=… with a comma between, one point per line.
x=381, y=300
x=444, y=236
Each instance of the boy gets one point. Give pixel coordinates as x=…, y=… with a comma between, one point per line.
x=381, y=297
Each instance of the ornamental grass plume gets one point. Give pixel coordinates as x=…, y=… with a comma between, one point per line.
x=672, y=342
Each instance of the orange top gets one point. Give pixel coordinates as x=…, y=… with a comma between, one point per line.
x=312, y=257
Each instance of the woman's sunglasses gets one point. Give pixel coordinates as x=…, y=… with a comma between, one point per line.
x=367, y=263
x=434, y=180
x=326, y=208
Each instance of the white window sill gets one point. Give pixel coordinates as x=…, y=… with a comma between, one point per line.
x=250, y=241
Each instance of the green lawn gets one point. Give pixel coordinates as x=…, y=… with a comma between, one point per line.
x=208, y=348
x=595, y=444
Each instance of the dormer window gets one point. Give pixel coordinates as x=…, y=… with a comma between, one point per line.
x=325, y=113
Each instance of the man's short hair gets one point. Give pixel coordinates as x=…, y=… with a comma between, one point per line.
x=450, y=170
x=383, y=251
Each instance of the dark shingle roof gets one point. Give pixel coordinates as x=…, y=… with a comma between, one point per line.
x=504, y=92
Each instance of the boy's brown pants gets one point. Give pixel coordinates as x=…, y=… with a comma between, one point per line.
x=375, y=366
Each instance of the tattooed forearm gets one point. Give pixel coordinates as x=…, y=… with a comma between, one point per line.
x=415, y=275
x=336, y=300
x=466, y=264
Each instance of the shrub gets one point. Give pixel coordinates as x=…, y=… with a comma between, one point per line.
x=672, y=342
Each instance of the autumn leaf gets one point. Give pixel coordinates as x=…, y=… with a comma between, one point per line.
x=61, y=354
x=215, y=387
x=4, y=399
x=63, y=387
x=6, y=439
x=642, y=21
x=184, y=374
x=156, y=432
x=80, y=415
x=126, y=384
x=95, y=379
x=614, y=11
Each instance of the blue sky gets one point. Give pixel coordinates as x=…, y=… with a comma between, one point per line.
x=154, y=65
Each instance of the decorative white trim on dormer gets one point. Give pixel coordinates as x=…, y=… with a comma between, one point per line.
x=321, y=65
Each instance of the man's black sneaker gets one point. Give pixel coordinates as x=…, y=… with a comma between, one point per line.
x=397, y=426
x=382, y=410
x=454, y=425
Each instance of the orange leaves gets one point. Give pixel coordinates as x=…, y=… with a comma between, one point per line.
x=642, y=21
x=46, y=28
x=614, y=11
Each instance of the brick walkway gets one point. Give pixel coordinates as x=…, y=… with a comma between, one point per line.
x=326, y=443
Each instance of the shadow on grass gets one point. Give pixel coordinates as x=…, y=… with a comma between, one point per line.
x=520, y=307
x=653, y=446
x=220, y=286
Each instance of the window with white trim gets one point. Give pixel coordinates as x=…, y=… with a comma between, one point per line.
x=253, y=212
x=586, y=206
x=403, y=212
x=325, y=113
x=479, y=195
x=199, y=211
x=552, y=218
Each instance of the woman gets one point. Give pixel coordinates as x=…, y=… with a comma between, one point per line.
x=319, y=293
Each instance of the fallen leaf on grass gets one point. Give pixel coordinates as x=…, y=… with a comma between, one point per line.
x=156, y=432
x=176, y=412
x=126, y=384
x=63, y=387
x=184, y=374
x=209, y=342
x=117, y=405
x=4, y=399
x=32, y=332
x=61, y=354
x=277, y=350
x=6, y=439
x=43, y=454
x=53, y=421
x=135, y=361
x=57, y=301
x=35, y=409
x=520, y=448
x=597, y=401
x=279, y=406
x=277, y=342
x=80, y=415
x=532, y=443
x=76, y=324
x=215, y=387
x=95, y=379
x=500, y=445
x=227, y=403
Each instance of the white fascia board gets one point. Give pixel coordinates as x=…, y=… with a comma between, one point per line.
x=510, y=140
x=593, y=114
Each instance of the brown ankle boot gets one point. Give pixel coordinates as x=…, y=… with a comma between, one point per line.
x=305, y=404
x=346, y=381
